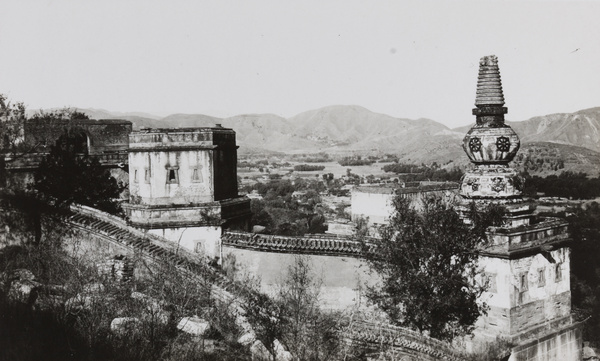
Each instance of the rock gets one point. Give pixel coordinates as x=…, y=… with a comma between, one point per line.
x=589, y=354
x=79, y=302
x=24, y=291
x=94, y=288
x=21, y=286
x=280, y=353
x=247, y=339
x=259, y=352
x=258, y=229
x=123, y=325
x=21, y=274
x=193, y=325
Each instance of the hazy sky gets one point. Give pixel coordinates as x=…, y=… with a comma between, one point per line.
x=402, y=58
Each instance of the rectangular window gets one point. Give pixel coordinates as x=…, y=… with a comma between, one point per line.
x=135, y=175
x=196, y=174
x=558, y=272
x=524, y=285
x=541, y=277
x=173, y=175
x=147, y=175
x=491, y=282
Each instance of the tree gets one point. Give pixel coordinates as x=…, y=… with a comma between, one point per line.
x=66, y=176
x=21, y=208
x=12, y=118
x=427, y=263
x=293, y=316
x=309, y=332
x=584, y=227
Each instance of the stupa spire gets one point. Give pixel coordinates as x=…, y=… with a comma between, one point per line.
x=489, y=84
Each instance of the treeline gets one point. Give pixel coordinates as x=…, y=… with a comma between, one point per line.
x=262, y=164
x=308, y=168
x=414, y=173
x=312, y=158
x=283, y=213
x=534, y=160
x=357, y=161
x=568, y=185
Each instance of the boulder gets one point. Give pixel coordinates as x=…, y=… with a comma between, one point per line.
x=258, y=229
x=79, y=302
x=124, y=325
x=21, y=274
x=24, y=291
x=94, y=288
x=194, y=326
x=259, y=352
x=247, y=339
x=589, y=354
x=280, y=352
x=21, y=286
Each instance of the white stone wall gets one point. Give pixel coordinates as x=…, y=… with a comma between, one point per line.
x=154, y=187
x=497, y=272
x=203, y=240
x=342, y=280
x=508, y=278
x=376, y=206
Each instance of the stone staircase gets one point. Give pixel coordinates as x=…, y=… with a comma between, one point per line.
x=117, y=230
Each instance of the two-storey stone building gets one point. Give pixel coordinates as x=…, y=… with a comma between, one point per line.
x=183, y=186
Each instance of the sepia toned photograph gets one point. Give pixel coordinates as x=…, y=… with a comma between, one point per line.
x=299, y=180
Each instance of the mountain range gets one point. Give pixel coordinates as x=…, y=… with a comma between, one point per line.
x=351, y=129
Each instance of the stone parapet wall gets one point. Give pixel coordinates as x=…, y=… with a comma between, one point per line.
x=181, y=139
x=29, y=162
x=527, y=239
x=146, y=216
x=312, y=244
x=401, y=341
x=104, y=135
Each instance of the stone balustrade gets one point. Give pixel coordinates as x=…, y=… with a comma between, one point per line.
x=310, y=244
x=530, y=238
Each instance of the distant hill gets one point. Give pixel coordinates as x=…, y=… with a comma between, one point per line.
x=351, y=129
x=581, y=128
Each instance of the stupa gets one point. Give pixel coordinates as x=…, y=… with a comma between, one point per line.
x=526, y=261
